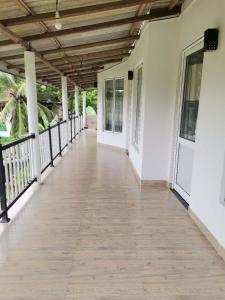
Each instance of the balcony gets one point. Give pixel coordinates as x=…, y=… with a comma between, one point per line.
x=91, y=232
x=134, y=210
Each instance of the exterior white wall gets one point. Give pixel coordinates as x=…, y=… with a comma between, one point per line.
x=159, y=49
x=162, y=67
x=208, y=179
x=159, y=75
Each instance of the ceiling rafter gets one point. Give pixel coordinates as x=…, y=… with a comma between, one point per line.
x=26, y=46
x=156, y=13
x=43, y=26
x=173, y=3
x=85, y=57
x=84, y=10
x=140, y=12
x=77, y=47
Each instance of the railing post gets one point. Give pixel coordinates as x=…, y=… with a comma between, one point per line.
x=74, y=120
x=71, y=130
x=60, y=145
x=5, y=218
x=50, y=146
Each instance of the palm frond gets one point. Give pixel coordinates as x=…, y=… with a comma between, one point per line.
x=8, y=110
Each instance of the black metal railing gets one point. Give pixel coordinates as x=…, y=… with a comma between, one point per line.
x=17, y=170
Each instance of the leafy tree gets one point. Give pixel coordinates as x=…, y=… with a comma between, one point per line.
x=12, y=88
x=48, y=94
x=91, y=100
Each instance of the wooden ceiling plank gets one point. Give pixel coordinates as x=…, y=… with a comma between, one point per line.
x=43, y=26
x=156, y=13
x=91, y=63
x=77, y=47
x=16, y=39
x=173, y=3
x=84, y=10
x=93, y=44
x=139, y=13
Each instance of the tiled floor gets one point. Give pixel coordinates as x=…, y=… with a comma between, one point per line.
x=90, y=233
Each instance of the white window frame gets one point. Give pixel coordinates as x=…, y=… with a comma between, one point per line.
x=134, y=116
x=114, y=105
x=194, y=47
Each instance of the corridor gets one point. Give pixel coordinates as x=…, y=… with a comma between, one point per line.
x=91, y=233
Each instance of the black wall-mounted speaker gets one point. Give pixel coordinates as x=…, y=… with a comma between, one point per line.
x=211, y=38
x=130, y=75
x=95, y=84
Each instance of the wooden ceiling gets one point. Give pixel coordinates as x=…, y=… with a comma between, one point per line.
x=94, y=33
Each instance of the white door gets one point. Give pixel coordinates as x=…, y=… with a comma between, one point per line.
x=191, y=77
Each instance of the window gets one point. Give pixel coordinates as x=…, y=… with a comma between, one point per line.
x=137, y=108
x=109, y=95
x=114, y=93
x=193, y=78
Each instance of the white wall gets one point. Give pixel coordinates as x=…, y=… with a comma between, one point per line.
x=151, y=159
x=160, y=48
x=208, y=170
x=162, y=66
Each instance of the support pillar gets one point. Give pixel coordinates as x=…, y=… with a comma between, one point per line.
x=32, y=109
x=65, y=105
x=77, y=100
x=84, y=108
x=77, y=107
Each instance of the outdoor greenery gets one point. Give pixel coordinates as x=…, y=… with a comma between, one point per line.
x=12, y=91
x=91, y=102
x=13, y=94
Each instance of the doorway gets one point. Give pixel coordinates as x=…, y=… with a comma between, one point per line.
x=188, y=116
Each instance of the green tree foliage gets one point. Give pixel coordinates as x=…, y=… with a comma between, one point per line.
x=91, y=101
x=12, y=90
x=47, y=93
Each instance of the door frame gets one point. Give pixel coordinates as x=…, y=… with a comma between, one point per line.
x=194, y=47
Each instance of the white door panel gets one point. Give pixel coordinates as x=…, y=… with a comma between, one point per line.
x=189, y=100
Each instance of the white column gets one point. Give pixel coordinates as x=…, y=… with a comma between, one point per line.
x=64, y=98
x=84, y=108
x=77, y=99
x=65, y=105
x=32, y=109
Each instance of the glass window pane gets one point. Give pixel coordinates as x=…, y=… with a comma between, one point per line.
x=108, y=104
x=118, y=116
x=138, y=108
x=191, y=97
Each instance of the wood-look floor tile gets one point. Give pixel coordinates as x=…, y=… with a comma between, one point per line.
x=91, y=233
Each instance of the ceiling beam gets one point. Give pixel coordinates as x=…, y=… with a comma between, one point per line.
x=107, y=42
x=97, y=54
x=71, y=72
x=79, y=11
x=77, y=47
x=87, y=77
x=173, y=3
x=95, y=63
x=54, y=76
x=140, y=12
x=26, y=46
x=85, y=57
x=28, y=11
x=155, y=14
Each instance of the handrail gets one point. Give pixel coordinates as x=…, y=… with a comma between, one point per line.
x=19, y=141
x=17, y=171
x=57, y=124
